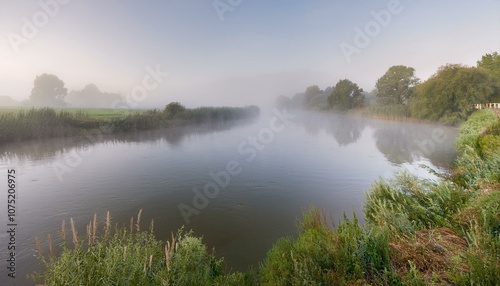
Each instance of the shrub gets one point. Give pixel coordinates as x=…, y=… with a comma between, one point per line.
x=132, y=257
x=348, y=255
x=470, y=130
x=406, y=204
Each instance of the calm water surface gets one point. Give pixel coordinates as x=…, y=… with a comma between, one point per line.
x=317, y=159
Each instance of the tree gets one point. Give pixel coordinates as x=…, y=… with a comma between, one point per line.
x=449, y=94
x=396, y=85
x=283, y=102
x=346, y=95
x=91, y=96
x=491, y=62
x=173, y=108
x=48, y=90
x=311, y=96
x=7, y=101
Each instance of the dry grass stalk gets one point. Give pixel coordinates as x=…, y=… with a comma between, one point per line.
x=152, y=225
x=131, y=224
x=89, y=233
x=124, y=252
x=169, y=249
x=150, y=261
x=73, y=231
x=49, y=238
x=138, y=220
x=431, y=251
x=38, y=249
x=94, y=229
x=63, y=230
x=106, y=230
x=167, y=258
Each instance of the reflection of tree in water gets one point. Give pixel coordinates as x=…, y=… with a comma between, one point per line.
x=312, y=125
x=35, y=150
x=395, y=143
x=405, y=142
x=346, y=129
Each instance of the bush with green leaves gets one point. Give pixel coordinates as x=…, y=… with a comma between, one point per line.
x=470, y=131
x=406, y=203
x=346, y=255
x=478, y=143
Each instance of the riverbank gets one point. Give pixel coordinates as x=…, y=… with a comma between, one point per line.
x=392, y=113
x=416, y=232
x=37, y=123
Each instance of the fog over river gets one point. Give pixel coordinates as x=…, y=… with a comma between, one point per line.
x=240, y=185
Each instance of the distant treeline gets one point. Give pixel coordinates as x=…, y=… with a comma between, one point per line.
x=448, y=96
x=48, y=123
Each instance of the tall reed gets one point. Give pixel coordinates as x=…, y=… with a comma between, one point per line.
x=136, y=257
x=48, y=123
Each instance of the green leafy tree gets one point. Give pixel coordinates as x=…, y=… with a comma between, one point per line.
x=346, y=95
x=48, y=90
x=491, y=62
x=396, y=85
x=450, y=94
x=310, y=93
x=173, y=108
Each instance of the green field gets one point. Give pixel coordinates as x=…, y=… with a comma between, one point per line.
x=96, y=113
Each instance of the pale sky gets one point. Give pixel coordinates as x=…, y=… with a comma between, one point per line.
x=247, y=54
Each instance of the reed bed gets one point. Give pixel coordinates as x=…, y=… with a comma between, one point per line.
x=122, y=256
x=50, y=123
x=389, y=112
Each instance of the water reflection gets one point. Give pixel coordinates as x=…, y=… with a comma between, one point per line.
x=395, y=144
x=405, y=142
x=321, y=158
x=399, y=142
x=345, y=129
x=35, y=150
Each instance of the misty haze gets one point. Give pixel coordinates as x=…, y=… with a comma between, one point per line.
x=249, y=143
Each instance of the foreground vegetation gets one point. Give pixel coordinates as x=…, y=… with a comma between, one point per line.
x=416, y=232
x=122, y=256
x=24, y=124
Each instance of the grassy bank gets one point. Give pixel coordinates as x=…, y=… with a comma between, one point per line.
x=26, y=124
x=130, y=256
x=388, y=112
x=416, y=232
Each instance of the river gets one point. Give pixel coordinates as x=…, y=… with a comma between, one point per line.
x=240, y=185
